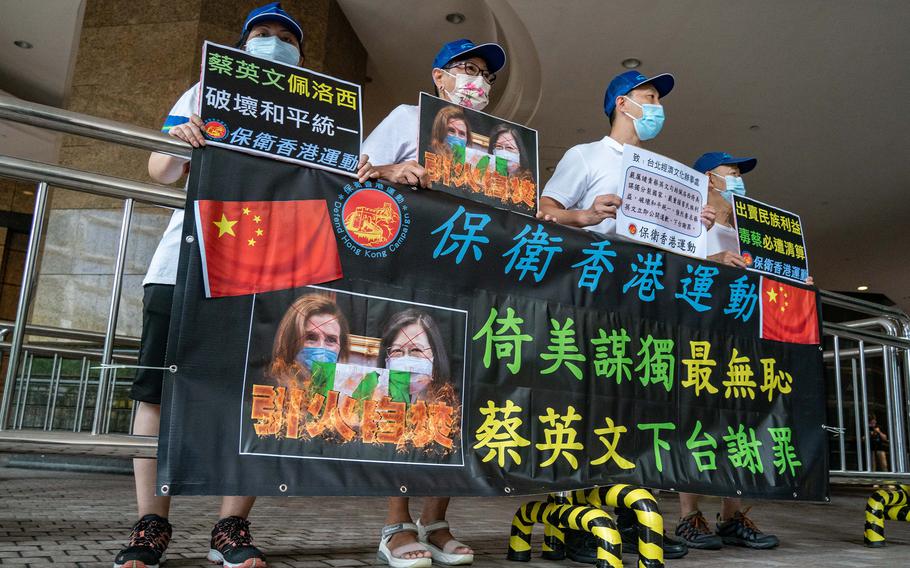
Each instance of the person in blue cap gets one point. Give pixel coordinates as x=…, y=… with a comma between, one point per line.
x=463, y=73
x=267, y=32
x=724, y=181
x=585, y=188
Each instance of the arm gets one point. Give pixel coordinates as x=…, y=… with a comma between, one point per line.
x=604, y=207
x=167, y=169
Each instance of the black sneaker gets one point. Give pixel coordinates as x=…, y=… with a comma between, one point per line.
x=149, y=539
x=627, y=524
x=232, y=545
x=693, y=529
x=741, y=531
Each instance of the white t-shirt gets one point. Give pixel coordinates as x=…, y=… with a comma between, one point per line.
x=163, y=268
x=721, y=238
x=394, y=140
x=586, y=172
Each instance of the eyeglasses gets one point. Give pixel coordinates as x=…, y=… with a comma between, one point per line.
x=473, y=70
x=412, y=351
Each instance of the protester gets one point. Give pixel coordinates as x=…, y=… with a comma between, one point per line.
x=463, y=73
x=585, y=192
x=586, y=186
x=733, y=527
x=724, y=181
x=268, y=32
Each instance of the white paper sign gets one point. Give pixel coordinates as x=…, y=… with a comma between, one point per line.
x=662, y=202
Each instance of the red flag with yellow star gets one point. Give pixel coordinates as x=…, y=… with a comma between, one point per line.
x=788, y=313
x=256, y=246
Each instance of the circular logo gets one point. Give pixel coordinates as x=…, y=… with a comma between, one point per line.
x=371, y=219
x=748, y=258
x=632, y=229
x=215, y=129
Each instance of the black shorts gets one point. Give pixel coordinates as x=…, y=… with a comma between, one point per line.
x=156, y=321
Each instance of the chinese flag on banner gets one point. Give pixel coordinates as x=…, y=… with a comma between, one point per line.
x=788, y=313
x=257, y=246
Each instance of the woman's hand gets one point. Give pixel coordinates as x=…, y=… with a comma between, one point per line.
x=190, y=132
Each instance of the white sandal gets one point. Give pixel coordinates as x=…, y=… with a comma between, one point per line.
x=445, y=555
x=394, y=557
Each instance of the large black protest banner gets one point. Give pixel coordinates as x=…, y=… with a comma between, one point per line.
x=471, y=351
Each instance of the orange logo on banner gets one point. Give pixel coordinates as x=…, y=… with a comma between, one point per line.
x=371, y=218
x=215, y=129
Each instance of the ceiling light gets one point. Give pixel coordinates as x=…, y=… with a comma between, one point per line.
x=455, y=18
x=551, y=168
x=862, y=288
x=631, y=63
x=754, y=127
x=23, y=44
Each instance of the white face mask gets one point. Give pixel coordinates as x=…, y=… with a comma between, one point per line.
x=507, y=155
x=273, y=49
x=470, y=91
x=413, y=365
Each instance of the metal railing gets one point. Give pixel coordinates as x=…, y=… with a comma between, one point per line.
x=867, y=358
x=85, y=347
x=868, y=364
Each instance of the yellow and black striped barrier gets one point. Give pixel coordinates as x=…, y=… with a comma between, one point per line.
x=890, y=503
x=554, y=538
x=647, y=514
x=565, y=516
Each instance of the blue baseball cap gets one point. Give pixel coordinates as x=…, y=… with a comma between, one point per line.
x=272, y=13
x=494, y=55
x=625, y=82
x=710, y=160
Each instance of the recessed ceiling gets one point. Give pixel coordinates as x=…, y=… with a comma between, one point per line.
x=814, y=89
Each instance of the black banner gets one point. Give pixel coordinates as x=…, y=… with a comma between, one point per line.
x=472, y=351
x=281, y=111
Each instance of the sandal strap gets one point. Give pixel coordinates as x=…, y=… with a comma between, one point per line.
x=390, y=530
x=410, y=547
x=435, y=526
x=449, y=547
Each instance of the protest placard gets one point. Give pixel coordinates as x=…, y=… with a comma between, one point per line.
x=770, y=239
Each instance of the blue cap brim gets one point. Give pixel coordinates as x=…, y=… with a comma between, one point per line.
x=494, y=55
x=287, y=22
x=745, y=164
x=663, y=83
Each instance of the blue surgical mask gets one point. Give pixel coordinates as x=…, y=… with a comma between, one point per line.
x=454, y=141
x=273, y=49
x=651, y=121
x=309, y=355
x=735, y=186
